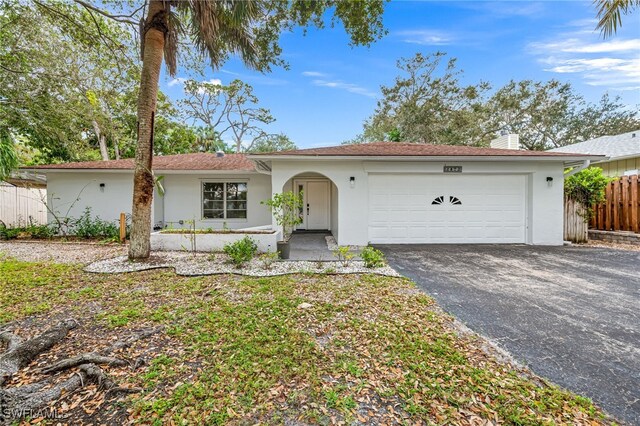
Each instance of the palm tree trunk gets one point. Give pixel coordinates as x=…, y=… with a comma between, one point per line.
x=143, y=183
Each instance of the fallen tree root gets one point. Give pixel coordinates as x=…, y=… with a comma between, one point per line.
x=23, y=401
x=19, y=353
x=101, y=359
x=88, y=358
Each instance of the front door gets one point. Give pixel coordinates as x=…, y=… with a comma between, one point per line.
x=316, y=204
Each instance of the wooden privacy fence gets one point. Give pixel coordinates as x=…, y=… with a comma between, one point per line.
x=18, y=205
x=576, y=228
x=620, y=210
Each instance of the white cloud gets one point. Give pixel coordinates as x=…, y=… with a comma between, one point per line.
x=576, y=45
x=349, y=87
x=215, y=81
x=323, y=80
x=426, y=37
x=176, y=81
x=613, y=64
x=180, y=81
x=313, y=74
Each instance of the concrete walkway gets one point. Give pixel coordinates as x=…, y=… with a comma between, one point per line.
x=310, y=246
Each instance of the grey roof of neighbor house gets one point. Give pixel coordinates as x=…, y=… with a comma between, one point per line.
x=625, y=145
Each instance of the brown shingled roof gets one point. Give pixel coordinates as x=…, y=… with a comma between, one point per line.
x=197, y=161
x=397, y=149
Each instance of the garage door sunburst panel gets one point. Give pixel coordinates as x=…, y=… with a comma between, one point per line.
x=441, y=199
x=438, y=200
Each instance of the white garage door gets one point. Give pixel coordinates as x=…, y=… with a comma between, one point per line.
x=446, y=208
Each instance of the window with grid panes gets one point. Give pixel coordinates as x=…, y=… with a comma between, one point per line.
x=224, y=200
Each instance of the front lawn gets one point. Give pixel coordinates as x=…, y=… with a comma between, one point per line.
x=298, y=349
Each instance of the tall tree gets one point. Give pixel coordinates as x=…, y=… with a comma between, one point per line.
x=215, y=29
x=272, y=143
x=610, y=14
x=551, y=114
x=247, y=28
x=61, y=103
x=230, y=111
x=427, y=104
x=8, y=154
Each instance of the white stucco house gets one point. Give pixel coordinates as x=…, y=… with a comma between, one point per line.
x=371, y=193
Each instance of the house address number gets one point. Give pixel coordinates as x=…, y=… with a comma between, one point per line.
x=452, y=169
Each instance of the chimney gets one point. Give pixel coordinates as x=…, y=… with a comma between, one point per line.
x=220, y=154
x=506, y=141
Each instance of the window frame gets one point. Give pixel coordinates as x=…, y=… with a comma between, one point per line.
x=224, y=200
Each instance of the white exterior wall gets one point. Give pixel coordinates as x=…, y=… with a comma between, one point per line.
x=64, y=187
x=183, y=200
x=352, y=202
x=544, y=203
x=349, y=205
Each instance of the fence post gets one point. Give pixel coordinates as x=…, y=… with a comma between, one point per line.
x=635, y=219
x=123, y=227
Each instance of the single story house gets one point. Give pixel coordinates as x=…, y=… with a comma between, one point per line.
x=623, y=152
x=371, y=193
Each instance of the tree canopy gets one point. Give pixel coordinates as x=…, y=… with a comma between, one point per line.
x=428, y=104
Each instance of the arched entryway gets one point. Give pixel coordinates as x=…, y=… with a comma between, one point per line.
x=320, y=201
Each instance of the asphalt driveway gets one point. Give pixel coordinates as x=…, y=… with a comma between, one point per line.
x=572, y=314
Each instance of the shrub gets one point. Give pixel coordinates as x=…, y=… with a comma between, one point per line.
x=29, y=231
x=267, y=259
x=241, y=252
x=94, y=227
x=587, y=187
x=344, y=255
x=40, y=231
x=372, y=257
x=7, y=233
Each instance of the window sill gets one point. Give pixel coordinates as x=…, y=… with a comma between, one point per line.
x=225, y=220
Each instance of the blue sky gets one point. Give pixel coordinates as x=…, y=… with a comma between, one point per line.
x=331, y=88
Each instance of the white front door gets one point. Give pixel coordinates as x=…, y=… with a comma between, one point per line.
x=316, y=204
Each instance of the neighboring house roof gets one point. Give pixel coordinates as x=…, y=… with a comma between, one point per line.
x=626, y=145
x=397, y=149
x=197, y=161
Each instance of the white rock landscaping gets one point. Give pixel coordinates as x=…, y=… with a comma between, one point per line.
x=190, y=264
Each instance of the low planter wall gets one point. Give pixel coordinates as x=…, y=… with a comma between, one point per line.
x=614, y=236
x=266, y=241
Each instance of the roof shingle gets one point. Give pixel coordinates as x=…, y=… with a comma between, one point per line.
x=397, y=149
x=196, y=161
x=623, y=145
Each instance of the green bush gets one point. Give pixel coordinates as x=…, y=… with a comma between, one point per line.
x=94, y=227
x=241, y=252
x=7, y=233
x=344, y=255
x=268, y=259
x=587, y=187
x=40, y=231
x=30, y=231
x=372, y=257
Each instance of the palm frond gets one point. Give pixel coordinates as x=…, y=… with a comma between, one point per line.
x=610, y=14
x=220, y=28
x=175, y=30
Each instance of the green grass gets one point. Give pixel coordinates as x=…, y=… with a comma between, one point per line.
x=249, y=355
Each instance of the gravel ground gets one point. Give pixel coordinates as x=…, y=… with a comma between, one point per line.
x=606, y=244
x=59, y=252
x=210, y=264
